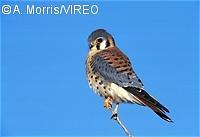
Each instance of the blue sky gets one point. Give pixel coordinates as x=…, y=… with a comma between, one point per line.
x=44, y=89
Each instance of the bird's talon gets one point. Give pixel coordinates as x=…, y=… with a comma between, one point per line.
x=108, y=106
x=108, y=103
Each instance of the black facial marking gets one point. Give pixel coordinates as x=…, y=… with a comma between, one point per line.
x=98, y=47
x=107, y=43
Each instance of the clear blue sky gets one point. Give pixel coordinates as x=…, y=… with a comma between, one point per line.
x=44, y=87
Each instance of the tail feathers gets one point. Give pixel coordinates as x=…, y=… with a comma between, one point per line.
x=149, y=101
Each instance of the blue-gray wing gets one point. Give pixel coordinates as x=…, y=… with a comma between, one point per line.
x=115, y=67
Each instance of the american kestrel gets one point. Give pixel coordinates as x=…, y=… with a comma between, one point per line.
x=110, y=75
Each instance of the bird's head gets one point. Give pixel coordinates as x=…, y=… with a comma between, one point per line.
x=100, y=40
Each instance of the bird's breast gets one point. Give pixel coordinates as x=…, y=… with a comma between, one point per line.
x=96, y=81
x=105, y=88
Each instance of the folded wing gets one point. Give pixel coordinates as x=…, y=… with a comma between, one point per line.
x=116, y=68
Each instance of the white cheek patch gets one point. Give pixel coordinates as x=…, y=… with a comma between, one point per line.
x=103, y=44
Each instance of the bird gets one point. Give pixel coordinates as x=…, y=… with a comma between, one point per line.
x=111, y=75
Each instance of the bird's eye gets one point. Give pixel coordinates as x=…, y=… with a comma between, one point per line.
x=99, y=40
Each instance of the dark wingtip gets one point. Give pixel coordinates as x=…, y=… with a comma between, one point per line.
x=167, y=110
x=163, y=116
x=169, y=120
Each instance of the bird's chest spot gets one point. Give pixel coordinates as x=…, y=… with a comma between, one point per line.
x=98, y=84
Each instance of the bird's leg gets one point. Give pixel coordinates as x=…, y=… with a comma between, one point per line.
x=115, y=112
x=108, y=103
x=117, y=119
